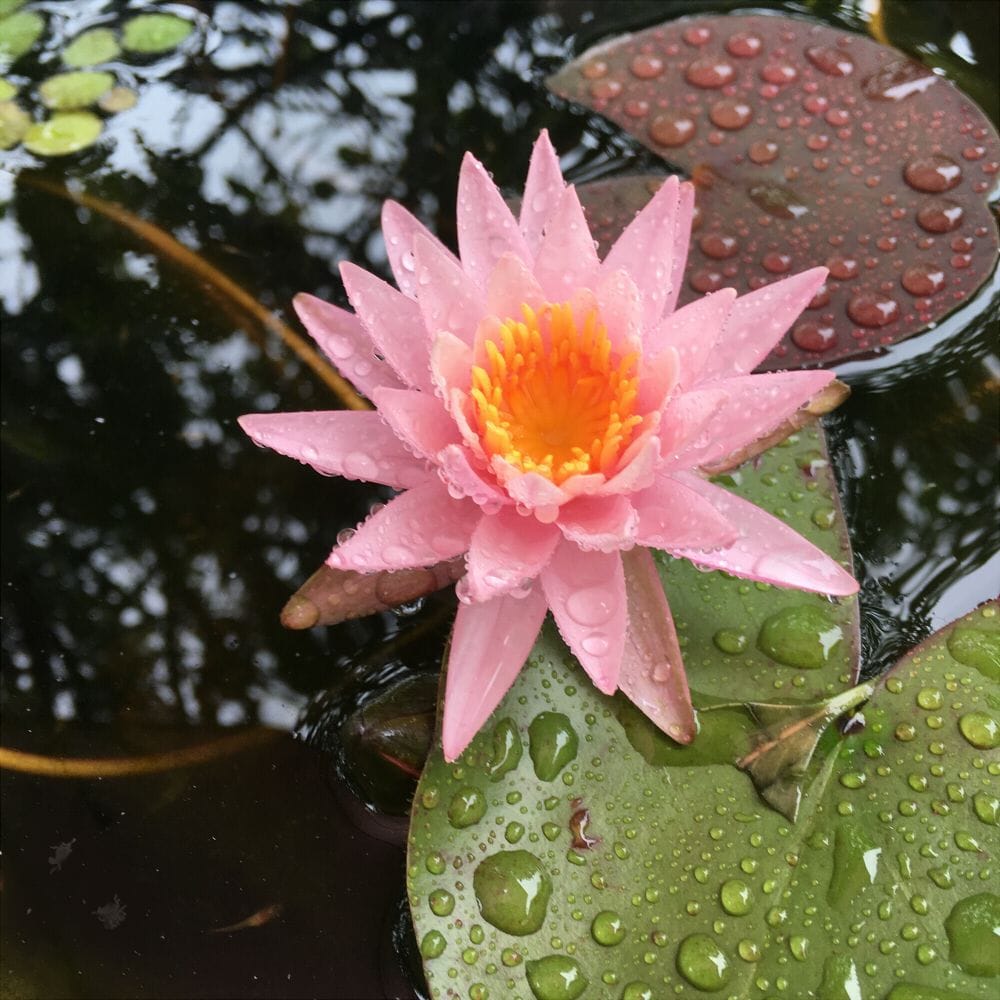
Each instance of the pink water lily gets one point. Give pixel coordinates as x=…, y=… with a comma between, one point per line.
x=545, y=413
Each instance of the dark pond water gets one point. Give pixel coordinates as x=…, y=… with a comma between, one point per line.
x=148, y=546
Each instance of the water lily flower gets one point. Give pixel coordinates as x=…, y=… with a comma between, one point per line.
x=545, y=413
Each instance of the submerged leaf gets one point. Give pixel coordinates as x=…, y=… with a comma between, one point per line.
x=150, y=34
x=14, y=122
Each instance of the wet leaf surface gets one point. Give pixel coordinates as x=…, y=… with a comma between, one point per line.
x=689, y=883
x=68, y=91
x=18, y=32
x=98, y=45
x=152, y=34
x=809, y=145
x=64, y=133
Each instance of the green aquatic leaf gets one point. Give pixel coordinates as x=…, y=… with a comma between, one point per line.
x=7, y=89
x=7, y=7
x=64, y=133
x=78, y=89
x=150, y=34
x=98, y=45
x=652, y=869
x=118, y=99
x=18, y=32
x=14, y=122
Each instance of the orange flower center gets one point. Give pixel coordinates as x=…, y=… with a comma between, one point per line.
x=552, y=397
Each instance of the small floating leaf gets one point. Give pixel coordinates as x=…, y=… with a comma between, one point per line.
x=18, y=33
x=14, y=122
x=7, y=90
x=98, y=45
x=64, y=133
x=150, y=34
x=68, y=91
x=118, y=99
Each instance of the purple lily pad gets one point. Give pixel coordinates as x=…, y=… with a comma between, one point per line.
x=809, y=145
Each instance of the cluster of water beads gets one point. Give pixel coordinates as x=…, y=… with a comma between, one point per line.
x=776, y=897
x=806, y=141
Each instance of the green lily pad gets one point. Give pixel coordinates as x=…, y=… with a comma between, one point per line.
x=14, y=122
x=18, y=33
x=150, y=34
x=98, y=45
x=7, y=90
x=8, y=7
x=689, y=884
x=79, y=89
x=64, y=133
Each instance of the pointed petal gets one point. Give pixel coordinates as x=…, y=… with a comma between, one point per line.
x=566, y=259
x=620, y=306
x=672, y=516
x=400, y=228
x=767, y=549
x=652, y=674
x=693, y=331
x=449, y=300
x=752, y=406
x=344, y=340
x=683, y=422
x=489, y=645
x=507, y=550
x=586, y=592
x=464, y=479
x=758, y=320
x=682, y=241
x=451, y=364
x=510, y=286
x=338, y=443
x=657, y=382
x=417, y=418
x=638, y=468
x=645, y=250
x=542, y=190
x=604, y=524
x=486, y=227
x=417, y=528
x=394, y=324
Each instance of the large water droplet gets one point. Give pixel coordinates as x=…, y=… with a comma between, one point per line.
x=703, y=963
x=803, y=635
x=671, y=128
x=830, y=60
x=898, y=80
x=507, y=749
x=736, y=897
x=468, y=805
x=933, y=174
x=977, y=648
x=646, y=67
x=552, y=743
x=873, y=309
x=607, y=928
x=971, y=928
x=923, y=279
x=709, y=72
x=441, y=902
x=556, y=977
x=981, y=730
x=730, y=114
x=591, y=606
x=433, y=944
x=779, y=201
x=744, y=45
x=855, y=864
x=512, y=890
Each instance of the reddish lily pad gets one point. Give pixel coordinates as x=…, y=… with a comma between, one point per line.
x=810, y=145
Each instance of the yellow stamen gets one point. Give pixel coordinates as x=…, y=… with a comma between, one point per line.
x=553, y=397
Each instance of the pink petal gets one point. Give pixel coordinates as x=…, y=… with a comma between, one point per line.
x=604, y=524
x=586, y=592
x=693, y=332
x=417, y=418
x=506, y=551
x=463, y=479
x=512, y=285
x=758, y=320
x=338, y=443
x=637, y=469
x=542, y=191
x=652, y=674
x=566, y=259
x=448, y=298
x=620, y=306
x=683, y=422
x=486, y=227
x=530, y=489
x=752, y=406
x=672, y=516
x=451, y=364
x=400, y=229
x=393, y=322
x=646, y=251
x=344, y=340
x=417, y=528
x=768, y=549
x=657, y=381
x=489, y=645
x=682, y=240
